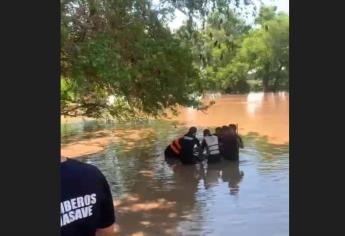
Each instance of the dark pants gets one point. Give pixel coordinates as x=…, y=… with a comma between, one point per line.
x=214, y=158
x=189, y=159
x=232, y=156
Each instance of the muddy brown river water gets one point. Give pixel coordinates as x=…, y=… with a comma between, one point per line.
x=250, y=198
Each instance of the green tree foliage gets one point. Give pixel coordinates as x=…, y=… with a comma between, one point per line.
x=237, y=52
x=201, y=9
x=266, y=50
x=266, y=13
x=119, y=58
x=216, y=48
x=122, y=49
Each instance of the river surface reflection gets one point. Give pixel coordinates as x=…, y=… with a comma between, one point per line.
x=153, y=197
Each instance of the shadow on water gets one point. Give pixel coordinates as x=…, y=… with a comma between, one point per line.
x=82, y=128
x=225, y=171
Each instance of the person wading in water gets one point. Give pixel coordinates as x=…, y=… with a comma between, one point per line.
x=211, y=144
x=188, y=143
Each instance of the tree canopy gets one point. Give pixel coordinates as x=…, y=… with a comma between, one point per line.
x=120, y=59
x=266, y=50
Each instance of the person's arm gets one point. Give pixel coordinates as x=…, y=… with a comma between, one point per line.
x=220, y=144
x=106, y=224
x=197, y=142
x=204, y=146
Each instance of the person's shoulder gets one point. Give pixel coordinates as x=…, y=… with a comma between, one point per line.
x=83, y=167
x=187, y=137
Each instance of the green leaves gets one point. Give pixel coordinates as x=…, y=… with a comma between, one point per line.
x=235, y=49
x=266, y=49
x=123, y=49
x=266, y=13
x=143, y=65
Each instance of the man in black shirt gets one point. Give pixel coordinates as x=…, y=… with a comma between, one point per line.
x=230, y=147
x=188, y=142
x=86, y=206
x=239, y=139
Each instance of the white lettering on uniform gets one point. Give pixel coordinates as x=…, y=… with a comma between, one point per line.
x=74, y=203
x=76, y=208
x=67, y=205
x=65, y=219
x=93, y=198
x=71, y=216
x=62, y=208
x=87, y=200
x=78, y=214
x=80, y=202
x=85, y=211
x=90, y=210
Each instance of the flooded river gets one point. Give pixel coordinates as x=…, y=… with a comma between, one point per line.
x=152, y=197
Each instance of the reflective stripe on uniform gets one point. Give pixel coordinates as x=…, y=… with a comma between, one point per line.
x=188, y=138
x=212, y=144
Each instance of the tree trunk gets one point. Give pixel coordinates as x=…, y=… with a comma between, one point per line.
x=265, y=78
x=276, y=84
x=265, y=84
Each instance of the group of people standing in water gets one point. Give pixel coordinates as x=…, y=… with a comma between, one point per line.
x=224, y=143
